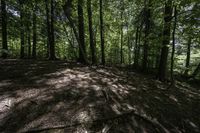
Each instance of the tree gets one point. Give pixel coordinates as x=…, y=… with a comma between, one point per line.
x=187, y=64
x=132, y=29
x=68, y=12
x=137, y=45
x=196, y=71
x=21, y=5
x=4, y=30
x=166, y=40
x=92, y=44
x=48, y=27
x=147, y=17
x=136, y=53
x=34, y=30
x=121, y=32
x=52, y=38
x=173, y=47
x=82, y=49
x=29, y=39
x=102, y=33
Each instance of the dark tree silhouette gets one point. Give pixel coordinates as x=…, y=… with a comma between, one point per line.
x=102, y=33
x=52, y=38
x=34, y=30
x=82, y=49
x=166, y=40
x=22, y=54
x=4, y=29
x=92, y=44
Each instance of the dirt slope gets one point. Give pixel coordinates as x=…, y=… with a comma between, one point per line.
x=46, y=96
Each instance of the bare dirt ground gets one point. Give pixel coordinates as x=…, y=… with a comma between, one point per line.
x=60, y=97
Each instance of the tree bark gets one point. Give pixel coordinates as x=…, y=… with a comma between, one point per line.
x=136, y=47
x=48, y=26
x=196, y=71
x=166, y=41
x=129, y=46
x=67, y=9
x=102, y=33
x=34, y=31
x=4, y=29
x=147, y=10
x=82, y=49
x=29, y=40
x=173, y=47
x=187, y=64
x=21, y=29
x=52, y=43
x=92, y=45
x=121, y=36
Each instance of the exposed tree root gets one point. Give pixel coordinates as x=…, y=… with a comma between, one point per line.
x=154, y=123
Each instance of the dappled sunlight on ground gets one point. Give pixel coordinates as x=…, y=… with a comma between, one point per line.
x=67, y=97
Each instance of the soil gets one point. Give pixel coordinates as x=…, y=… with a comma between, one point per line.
x=66, y=97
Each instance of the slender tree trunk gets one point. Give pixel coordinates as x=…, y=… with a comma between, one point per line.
x=122, y=37
x=129, y=46
x=137, y=52
x=187, y=64
x=52, y=43
x=34, y=31
x=146, y=32
x=92, y=45
x=48, y=27
x=82, y=49
x=4, y=29
x=21, y=30
x=157, y=59
x=67, y=9
x=166, y=41
x=173, y=47
x=196, y=71
x=121, y=46
x=1, y=26
x=136, y=48
x=102, y=33
x=29, y=40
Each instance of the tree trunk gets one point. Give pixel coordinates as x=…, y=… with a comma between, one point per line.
x=147, y=16
x=136, y=48
x=67, y=9
x=122, y=37
x=102, y=33
x=4, y=29
x=48, y=26
x=92, y=45
x=52, y=42
x=34, y=31
x=121, y=47
x=21, y=29
x=82, y=49
x=173, y=47
x=29, y=41
x=129, y=46
x=187, y=64
x=166, y=41
x=196, y=71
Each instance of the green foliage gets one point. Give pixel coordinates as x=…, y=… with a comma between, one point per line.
x=128, y=14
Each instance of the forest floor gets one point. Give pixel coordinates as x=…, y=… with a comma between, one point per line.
x=60, y=97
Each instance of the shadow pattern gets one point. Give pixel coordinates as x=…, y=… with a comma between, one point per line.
x=58, y=96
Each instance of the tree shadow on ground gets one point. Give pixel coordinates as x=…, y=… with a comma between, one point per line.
x=67, y=97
